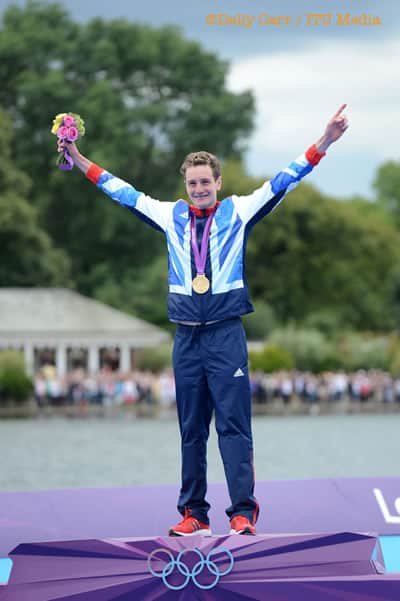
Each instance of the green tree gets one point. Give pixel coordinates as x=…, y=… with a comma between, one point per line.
x=387, y=188
x=142, y=291
x=148, y=97
x=318, y=254
x=259, y=325
x=28, y=257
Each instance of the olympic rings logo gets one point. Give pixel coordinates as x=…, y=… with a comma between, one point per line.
x=196, y=570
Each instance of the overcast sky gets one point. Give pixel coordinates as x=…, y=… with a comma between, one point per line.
x=299, y=74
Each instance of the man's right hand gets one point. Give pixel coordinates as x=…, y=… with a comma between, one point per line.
x=63, y=145
x=79, y=160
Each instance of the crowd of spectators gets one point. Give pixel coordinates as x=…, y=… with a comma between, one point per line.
x=106, y=388
x=113, y=388
x=329, y=387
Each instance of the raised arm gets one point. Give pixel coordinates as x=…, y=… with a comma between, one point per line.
x=151, y=211
x=255, y=206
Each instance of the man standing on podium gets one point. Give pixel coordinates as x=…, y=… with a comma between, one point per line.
x=208, y=293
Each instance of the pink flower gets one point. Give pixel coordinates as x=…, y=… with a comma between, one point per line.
x=73, y=134
x=62, y=132
x=68, y=121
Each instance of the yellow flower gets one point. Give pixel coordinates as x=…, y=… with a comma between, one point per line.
x=57, y=122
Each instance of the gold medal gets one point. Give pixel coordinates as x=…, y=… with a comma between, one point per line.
x=201, y=284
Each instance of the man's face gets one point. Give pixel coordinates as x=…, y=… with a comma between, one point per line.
x=201, y=186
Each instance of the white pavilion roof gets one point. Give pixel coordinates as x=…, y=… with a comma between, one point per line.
x=58, y=313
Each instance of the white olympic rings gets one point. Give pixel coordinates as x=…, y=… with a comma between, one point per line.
x=196, y=569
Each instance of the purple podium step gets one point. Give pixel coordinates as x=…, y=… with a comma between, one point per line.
x=313, y=567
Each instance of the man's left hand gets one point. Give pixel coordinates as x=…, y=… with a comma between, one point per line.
x=337, y=125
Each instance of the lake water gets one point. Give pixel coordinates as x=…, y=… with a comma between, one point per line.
x=56, y=453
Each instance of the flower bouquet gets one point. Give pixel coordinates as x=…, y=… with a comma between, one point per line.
x=67, y=127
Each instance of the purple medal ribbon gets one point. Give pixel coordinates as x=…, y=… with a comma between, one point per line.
x=200, y=257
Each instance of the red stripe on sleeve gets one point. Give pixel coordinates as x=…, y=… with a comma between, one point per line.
x=313, y=156
x=94, y=172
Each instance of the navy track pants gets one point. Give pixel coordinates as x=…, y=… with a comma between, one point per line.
x=211, y=374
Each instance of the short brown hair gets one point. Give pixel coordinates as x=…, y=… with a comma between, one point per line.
x=201, y=158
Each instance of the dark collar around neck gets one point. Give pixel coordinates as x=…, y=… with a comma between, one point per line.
x=203, y=212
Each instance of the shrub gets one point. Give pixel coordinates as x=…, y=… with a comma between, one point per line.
x=310, y=349
x=154, y=359
x=15, y=385
x=363, y=351
x=271, y=358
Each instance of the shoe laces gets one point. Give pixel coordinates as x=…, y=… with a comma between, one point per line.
x=187, y=516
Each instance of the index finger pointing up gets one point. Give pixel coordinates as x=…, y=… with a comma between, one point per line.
x=340, y=110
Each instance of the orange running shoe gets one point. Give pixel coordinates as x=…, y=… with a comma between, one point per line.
x=241, y=525
x=189, y=526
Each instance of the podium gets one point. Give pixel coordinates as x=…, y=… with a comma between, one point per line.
x=310, y=567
